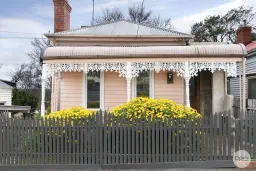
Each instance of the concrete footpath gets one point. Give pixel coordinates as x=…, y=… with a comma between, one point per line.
x=185, y=169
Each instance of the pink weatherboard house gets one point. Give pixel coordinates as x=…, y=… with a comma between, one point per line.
x=102, y=66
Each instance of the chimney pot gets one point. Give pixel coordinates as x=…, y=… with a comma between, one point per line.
x=62, y=11
x=244, y=22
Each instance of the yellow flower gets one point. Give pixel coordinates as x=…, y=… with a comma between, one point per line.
x=154, y=108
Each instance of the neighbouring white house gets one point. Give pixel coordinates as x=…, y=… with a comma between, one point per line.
x=5, y=94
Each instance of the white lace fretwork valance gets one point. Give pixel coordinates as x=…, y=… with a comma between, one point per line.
x=132, y=69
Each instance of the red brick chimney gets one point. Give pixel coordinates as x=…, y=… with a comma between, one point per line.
x=62, y=11
x=244, y=34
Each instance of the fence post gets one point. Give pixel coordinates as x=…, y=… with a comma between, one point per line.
x=97, y=136
x=126, y=153
x=221, y=136
x=215, y=126
x=169, y=140
x=237, y=134
x=113, y=138
x=254, y=135
x=121, y=160
x=117, y=140
x=133, y=141
x=149, y=140
x=101, y=140
x=105, y=137
x=109, y=138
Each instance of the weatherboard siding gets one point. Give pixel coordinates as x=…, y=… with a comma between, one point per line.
x=6, y=96
x=71, y=89
x=235, y=87
x=173, y=91
x=250, y=70
x=115, y=90
x=251, y=65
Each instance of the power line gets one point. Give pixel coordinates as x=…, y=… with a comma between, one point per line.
x=19, y=32
x=21, y=38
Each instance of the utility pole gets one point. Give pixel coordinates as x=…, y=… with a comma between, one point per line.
x=92, y=13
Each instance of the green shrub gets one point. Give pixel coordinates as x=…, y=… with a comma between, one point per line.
x=25, y=98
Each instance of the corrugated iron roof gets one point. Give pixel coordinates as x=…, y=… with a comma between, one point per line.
x=5, y=86
x=117, y=51
x=127, y=28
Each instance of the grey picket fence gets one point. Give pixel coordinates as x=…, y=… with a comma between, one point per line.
x=106, y=139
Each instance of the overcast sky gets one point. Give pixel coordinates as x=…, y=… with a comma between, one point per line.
x=35, y=17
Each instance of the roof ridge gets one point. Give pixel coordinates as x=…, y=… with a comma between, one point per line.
x=123, y=20
x=157, y=27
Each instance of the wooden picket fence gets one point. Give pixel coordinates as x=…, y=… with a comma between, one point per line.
x=103, y=139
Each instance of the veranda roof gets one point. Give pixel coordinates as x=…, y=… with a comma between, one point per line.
x=90, y=52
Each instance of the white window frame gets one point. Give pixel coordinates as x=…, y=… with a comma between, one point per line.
x=247, y=86
x=102, y=104
x=151, y=85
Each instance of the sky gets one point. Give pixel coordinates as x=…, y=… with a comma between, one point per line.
x=22, y=20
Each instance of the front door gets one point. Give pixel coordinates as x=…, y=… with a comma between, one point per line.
x=194, y=88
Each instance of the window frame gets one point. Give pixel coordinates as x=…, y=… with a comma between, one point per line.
x=151, y=85
x=85, y=81
x=249, y=78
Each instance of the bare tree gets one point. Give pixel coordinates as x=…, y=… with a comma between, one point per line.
x=110, y=16
x=1, y=66
x=28, y=75
x=157, y=21
x=137, y=14
x=39, y=46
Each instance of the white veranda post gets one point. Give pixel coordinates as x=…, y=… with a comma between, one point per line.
x=43, y=90
x=128, y=79
x=187, y=78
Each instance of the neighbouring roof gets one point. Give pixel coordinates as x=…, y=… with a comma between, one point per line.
x=59, y=52
x=122, y=28
x=12, y=84
x=251, y=46
x=4, y=85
